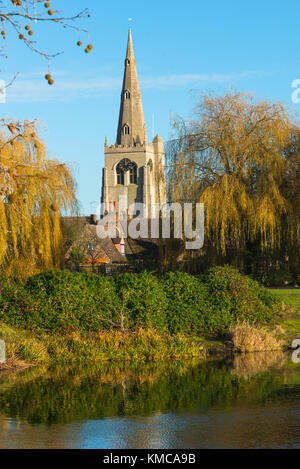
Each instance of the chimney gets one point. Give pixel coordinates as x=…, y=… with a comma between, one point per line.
x=117, y=215
x=93, y=219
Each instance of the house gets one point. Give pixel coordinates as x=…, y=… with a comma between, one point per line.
x=86, y=251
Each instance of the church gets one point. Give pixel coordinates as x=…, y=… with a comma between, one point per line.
x=134, y=168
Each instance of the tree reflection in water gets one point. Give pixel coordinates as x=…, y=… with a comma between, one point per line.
x=151, y=405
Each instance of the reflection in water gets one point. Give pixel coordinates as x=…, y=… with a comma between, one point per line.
x=250, y=401
x=251, y=364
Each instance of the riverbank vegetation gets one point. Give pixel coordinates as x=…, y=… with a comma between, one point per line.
x=30, y=348
x=64, y=302
x=246, y=338
x=58, y=316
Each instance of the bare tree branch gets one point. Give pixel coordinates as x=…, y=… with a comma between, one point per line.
x=21, y=17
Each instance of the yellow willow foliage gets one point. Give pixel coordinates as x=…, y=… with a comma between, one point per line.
x=57, y=241
x=234, y=157
x=3, y=229
x=33, y=189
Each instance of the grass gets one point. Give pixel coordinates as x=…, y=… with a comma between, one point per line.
x=24, y=347
x=290, y=320
x=290, y=296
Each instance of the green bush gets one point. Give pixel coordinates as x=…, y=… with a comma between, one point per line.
x=14, y=302
x=188, y=303
x=181, y=303
x=144, y=300
x=235, y=297
x=59, y=300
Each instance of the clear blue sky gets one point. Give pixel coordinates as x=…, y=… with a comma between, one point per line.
x=179, y=46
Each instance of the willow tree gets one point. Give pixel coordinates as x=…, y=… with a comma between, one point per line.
x=33, y=190
x=239, y=157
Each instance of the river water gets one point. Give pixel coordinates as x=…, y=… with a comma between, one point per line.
x=250, y=401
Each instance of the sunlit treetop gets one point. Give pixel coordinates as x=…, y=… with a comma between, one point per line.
x=239, y=157
x=33, y=190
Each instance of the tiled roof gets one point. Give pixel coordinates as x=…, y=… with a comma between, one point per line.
x=135, y=250
x=104, y=248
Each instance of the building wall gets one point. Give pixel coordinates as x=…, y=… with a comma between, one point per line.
x=150, y=187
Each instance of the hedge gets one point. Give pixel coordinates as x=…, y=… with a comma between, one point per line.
x=178, y=302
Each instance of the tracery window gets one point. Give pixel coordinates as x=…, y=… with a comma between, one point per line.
x=120, y=176
x=133, y=174
x=124, y=166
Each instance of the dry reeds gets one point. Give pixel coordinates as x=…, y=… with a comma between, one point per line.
x=248, y=338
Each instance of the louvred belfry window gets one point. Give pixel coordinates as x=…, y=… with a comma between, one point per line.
x=133, y=174
x=126, y=129
x=120, y=176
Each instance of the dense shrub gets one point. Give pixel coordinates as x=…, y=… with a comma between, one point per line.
x=14, y=302
x=144, y=300
x=188, y=303
x=58, y=300
x=235, y=297
x=181, y=303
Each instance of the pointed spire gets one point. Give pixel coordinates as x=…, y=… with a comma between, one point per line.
x=130, y=53
x=131, y=128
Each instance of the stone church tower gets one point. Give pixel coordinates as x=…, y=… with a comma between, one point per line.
x=133, y=167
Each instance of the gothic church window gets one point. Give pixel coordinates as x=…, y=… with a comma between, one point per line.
x=124, y=166
x=126, y=129
x=120, y=175
x=133, y=174
x=127, y=94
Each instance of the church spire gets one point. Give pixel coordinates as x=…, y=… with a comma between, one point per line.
x=130, y=53
x=131, y=128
